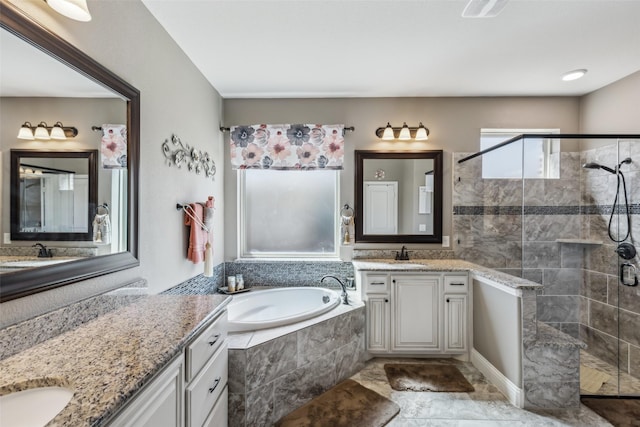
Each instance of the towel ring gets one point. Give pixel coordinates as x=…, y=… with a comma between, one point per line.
x=102, y=206
x=346, y=211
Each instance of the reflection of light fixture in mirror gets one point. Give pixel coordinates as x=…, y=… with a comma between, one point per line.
x=26, y=131
x=404, y=133
x=388, y=135
x=43, y=131
x=74, y=9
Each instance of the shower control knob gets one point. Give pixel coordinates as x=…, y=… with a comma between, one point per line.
x=626, y=251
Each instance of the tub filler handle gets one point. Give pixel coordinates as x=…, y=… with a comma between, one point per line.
x=214, y=339
x=215, y=384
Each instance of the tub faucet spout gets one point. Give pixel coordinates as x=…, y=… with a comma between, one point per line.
x=344, y=296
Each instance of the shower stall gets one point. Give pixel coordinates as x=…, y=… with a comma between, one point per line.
x=563, y=211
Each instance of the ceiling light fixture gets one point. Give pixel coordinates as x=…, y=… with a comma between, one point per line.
x=73, y=9
x=404, y=133
x=574, y=75
x=43, y=131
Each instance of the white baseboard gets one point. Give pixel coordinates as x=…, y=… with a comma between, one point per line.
x=513, y=393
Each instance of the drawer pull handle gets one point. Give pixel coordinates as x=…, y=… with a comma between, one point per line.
x=215, y=384
x=457, y=284
x=377, y=283
x=215, y=339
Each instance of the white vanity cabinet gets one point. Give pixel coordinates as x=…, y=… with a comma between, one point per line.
x=191, y=391
x=416, y=313
x=159, y=404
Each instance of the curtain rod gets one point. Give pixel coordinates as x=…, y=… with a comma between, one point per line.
x=552, y=136
x=346, y=128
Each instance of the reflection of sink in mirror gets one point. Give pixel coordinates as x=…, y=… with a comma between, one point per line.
x=34, y=263
x=33, y=407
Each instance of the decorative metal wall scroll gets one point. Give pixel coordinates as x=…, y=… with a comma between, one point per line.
x=180, y=154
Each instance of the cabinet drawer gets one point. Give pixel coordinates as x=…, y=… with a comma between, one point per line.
x=219, y=416
x=205, y=345
x=456, y=284
x=376, y=283
x=204, y=390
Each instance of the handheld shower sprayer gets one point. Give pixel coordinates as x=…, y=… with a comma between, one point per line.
x=620, y=176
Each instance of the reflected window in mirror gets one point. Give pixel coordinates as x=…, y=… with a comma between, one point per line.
x=398, y=197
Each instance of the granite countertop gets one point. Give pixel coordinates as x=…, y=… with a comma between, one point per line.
x=110, y=358
x=444, y=265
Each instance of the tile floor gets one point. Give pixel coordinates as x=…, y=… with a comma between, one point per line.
x=486, y=406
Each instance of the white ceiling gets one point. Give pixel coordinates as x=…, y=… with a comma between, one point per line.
x=367, y=48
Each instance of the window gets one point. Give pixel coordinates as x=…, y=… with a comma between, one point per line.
x=288, y=214
x=541, y=156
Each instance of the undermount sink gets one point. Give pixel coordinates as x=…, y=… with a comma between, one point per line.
x=33, y=407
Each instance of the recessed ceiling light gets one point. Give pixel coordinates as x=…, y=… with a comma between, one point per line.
x=573, y=75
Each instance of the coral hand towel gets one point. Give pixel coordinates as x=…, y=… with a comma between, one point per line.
x=197, y=236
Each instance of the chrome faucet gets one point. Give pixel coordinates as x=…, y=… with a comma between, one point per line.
x=43, y=252
x=344, y=296
x=403, y=255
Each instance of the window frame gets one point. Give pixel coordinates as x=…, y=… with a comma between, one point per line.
x=242, y=252
x=513, y=132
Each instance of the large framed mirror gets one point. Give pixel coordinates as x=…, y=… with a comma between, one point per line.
x=398, y=196
x=114, y=97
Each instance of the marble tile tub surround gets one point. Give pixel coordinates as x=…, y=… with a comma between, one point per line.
x=26, y=334
x=109, y=359
x=271, y=379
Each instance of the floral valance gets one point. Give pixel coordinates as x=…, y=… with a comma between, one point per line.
x=287, y=147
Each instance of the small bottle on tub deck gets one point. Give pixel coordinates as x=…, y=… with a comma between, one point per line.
x=239, y=282
x=231, y=283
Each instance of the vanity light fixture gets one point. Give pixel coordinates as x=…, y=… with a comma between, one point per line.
x=41, y=131
x=73, y=9
x=26, y=131
x=45, y=132
x=404, y=133
x=573, y=75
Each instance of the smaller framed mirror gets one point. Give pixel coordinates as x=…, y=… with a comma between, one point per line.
x=53, y=194
x=398, y=197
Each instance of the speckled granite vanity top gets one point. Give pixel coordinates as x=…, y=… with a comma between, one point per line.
x=108, y=359
x=444, y=265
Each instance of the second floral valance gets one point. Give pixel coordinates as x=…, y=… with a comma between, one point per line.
x=286, y=147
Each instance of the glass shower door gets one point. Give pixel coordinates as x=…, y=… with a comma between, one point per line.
x=625, y=234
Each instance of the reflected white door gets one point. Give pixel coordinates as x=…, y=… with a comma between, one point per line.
x=380, y=207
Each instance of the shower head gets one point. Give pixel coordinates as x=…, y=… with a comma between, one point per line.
x=593, y=165
x=625, y=162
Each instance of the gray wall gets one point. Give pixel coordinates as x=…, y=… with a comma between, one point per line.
x=175, y=98
x=454, y=123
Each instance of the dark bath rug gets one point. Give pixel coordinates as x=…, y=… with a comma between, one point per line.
x=426, y=377
x=348, y=404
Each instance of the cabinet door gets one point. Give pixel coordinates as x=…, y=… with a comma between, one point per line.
x=455, y=323
x=415, y=313
x=378, y=323
x=159, y=404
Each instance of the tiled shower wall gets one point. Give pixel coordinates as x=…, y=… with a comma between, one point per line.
x=514, y=225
